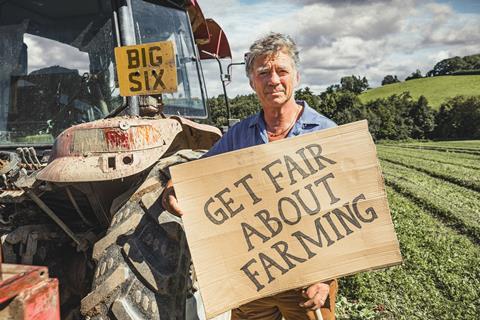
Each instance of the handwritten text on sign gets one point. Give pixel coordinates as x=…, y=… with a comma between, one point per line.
x=285, y=214
x=331, y=226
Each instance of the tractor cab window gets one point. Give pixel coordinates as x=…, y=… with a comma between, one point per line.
x=56, y=67
x=162, y=23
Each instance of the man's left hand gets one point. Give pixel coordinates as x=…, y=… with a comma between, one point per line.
x=316, y=294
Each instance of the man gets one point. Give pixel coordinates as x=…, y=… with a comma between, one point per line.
x=271, y=67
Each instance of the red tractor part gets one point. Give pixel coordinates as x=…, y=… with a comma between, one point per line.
x=218, y=43
x=208, y=35
x=26, y=292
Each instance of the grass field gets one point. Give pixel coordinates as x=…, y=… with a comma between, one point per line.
x=434, y=194
x=435, y=89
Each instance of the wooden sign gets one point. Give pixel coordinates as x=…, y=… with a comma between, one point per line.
x=284, y=215
x=146, y=69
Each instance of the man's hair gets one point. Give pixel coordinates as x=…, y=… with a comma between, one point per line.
x=268, y=45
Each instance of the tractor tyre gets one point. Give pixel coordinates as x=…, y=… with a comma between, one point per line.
x=142, y=263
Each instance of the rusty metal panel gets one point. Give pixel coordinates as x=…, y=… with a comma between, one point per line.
x=119, y=147
x=16, y=278
x=109, y=149
x=26, y=292
x=198, y=136
x=116, y=139
x=91, y=140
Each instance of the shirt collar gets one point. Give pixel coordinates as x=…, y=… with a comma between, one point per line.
x=307, y=117
x=255, y=119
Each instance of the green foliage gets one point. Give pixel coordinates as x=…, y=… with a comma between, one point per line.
x=354, y=84
x=341, y=106
x=217, y=111
x=350, y=83
x=307, y=95
x=466, y=72
x=399, y=117
x=241, y=107
x=389, y=79
x=389, y=117
x=396, y=117
x=353, y=310
x=423, y=119
x=459, y=118
x=455, y=64
x=435, y=89
x=415, y=75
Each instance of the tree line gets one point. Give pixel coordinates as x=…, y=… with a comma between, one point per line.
x=396, y=117
x=468, y=65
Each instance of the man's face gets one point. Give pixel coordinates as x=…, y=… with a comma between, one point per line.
x=274, y=79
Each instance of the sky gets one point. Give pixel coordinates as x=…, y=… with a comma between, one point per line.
x=337, y=38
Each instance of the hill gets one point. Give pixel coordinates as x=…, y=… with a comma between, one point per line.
x=435, y=89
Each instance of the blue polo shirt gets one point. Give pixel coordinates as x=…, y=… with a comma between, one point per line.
x=252, y=131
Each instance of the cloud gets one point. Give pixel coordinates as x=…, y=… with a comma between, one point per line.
x=44, y=53
x=454, y=32
x=346, y=53
x=338, y=38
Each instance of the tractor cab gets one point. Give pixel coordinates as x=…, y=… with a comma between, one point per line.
x=58, y=68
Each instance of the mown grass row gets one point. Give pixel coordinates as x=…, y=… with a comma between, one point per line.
x=464, y=144
x=444, y=149
x=438, y=226
x=467, y=146
x=439, y=277
x=458, y=159
x=457, y=206
x=466, y=176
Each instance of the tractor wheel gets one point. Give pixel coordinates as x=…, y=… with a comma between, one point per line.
x=143, y=262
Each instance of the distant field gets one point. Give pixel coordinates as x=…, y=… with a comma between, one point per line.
x=435, y=89
x=434, y=194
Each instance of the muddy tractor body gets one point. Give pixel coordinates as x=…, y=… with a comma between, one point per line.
x=83, y=165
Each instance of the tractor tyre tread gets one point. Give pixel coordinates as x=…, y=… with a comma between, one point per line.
x=143, y=262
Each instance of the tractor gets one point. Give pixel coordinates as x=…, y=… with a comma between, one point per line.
x=83, y=164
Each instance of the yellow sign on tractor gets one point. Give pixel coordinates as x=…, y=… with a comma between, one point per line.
x=146, y=69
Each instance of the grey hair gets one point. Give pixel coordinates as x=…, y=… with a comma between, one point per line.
x=271, y=44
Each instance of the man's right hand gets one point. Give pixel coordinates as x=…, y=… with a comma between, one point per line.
x=169, y=200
